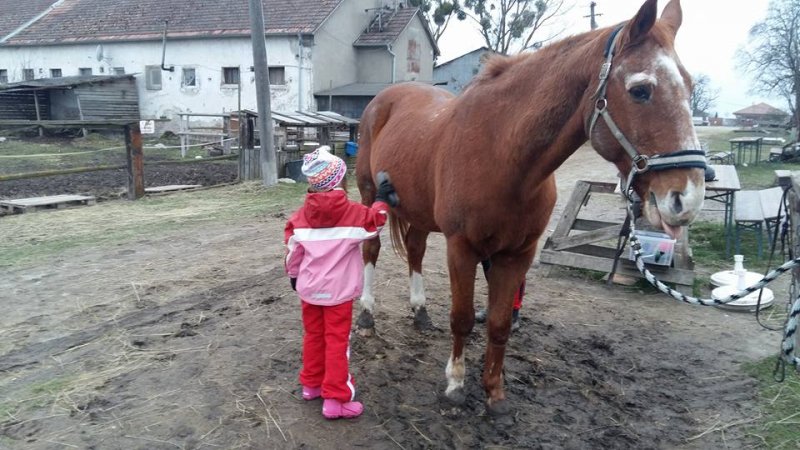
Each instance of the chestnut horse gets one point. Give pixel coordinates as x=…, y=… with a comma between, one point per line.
x=479, y=167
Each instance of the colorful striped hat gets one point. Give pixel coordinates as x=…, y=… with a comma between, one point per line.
x=323, y=170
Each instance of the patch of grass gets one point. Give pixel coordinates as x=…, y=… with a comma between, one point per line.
x=778, y=428
x=27, y=238
x=707, y=241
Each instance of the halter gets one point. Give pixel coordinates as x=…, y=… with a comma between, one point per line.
x=680, y=159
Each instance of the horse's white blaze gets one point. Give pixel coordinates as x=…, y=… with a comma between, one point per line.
x=367, y=298
x=417, y=290
x=455, y=372
x=639, y=78
x=666, y=65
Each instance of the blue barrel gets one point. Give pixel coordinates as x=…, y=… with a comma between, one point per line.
x=294, y=170
x=350, y=148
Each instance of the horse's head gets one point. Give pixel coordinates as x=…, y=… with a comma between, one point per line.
x=646, y=98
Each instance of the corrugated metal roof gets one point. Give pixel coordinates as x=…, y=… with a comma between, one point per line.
x=111, y=20
x=355, y=89
x=52, y=83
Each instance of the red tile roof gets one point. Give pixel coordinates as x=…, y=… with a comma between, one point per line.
x=14, y=14
x=112, y=20
x=761, y=109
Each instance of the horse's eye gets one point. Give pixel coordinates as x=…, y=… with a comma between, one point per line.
x=641, y=93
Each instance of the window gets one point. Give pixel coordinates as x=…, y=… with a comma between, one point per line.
x=153, y=74
x=3, y=75
x=85, y=71
x=55, y=73
x=189, y=79
x=27, y=74
x=230, y=75
x=277, y=76
x=119, y=71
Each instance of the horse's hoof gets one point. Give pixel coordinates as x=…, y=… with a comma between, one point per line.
x=365, y=332
x=365, y=325
x=498, y=408
x=456, y=397
x=422, y=321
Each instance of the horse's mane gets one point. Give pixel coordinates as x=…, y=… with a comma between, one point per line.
x=497, y=64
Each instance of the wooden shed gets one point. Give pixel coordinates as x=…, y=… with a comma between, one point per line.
x=98, y=98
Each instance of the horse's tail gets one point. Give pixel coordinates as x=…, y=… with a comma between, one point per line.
x=398, y=230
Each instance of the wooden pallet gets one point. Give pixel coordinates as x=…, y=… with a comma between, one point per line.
x=171, y=188
x=578, y=242
x=24, y=205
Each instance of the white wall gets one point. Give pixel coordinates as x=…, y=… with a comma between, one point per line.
x=206, y=56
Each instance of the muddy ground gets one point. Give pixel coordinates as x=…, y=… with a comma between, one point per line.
x=191, y=339
x=112, y=184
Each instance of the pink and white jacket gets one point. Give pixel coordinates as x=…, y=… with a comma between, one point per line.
x=323, y=240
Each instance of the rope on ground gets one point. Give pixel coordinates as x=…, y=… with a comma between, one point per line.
x=787, y=355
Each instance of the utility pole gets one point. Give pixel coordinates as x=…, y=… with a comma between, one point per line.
x=593, y=15
x=269, y=168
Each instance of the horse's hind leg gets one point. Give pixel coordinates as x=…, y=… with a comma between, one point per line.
x=370, y=249
x=366, y=323
x=416, y=241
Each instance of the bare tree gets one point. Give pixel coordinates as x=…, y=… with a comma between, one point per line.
x=439, y=13
x=704, y=96
x=507, y=24
x=773, y=56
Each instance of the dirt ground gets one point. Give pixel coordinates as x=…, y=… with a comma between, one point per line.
x=192, y=340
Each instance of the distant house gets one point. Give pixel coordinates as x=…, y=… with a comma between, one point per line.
x=313, y=48
x=761, y=114
x=456, y=74
x=396, y=46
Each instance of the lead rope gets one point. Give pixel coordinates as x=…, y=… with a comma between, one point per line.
x=787, y=355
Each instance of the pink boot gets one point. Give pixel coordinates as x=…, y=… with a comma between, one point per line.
x=310, y=393
x=334, y=409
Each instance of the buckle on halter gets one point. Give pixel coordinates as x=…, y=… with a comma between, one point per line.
x=601, y=104
x=641, y=164
x=604, y=70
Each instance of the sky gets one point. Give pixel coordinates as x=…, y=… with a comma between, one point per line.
x=711, y=33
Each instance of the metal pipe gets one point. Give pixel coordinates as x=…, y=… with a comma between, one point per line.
x=164, y=49
x=300, y=72
x=394, y=60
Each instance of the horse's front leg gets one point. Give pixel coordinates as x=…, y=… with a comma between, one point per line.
x=505, y=278
x=461, y=262
x=366, y=323
x=416, y=242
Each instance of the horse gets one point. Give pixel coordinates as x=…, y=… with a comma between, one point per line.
x=479, y=167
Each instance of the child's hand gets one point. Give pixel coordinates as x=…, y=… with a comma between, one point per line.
x=386, y=192
x=293, y=282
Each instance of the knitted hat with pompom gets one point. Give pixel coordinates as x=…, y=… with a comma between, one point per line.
x=323, y=170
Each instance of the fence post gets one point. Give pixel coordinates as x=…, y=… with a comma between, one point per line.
x=249, y=158
x=793, y=201
x=135, y=160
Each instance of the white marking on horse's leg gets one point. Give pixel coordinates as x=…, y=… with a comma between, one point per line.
x=367, y=298
x=455, y=372
x=417, y=290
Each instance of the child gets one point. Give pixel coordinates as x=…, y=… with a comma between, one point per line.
x=325, y=268
x=480, y=315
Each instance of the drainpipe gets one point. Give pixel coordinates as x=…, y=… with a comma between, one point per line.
x=300, y=72
x=164, y=49
x=394, y=59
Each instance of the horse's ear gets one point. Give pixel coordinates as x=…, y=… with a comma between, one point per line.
x=643, y=21
x=672, y=16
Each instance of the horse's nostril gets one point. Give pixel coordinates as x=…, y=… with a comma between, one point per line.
x=676, y=205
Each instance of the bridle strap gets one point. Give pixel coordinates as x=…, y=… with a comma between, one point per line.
x=677, y=160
